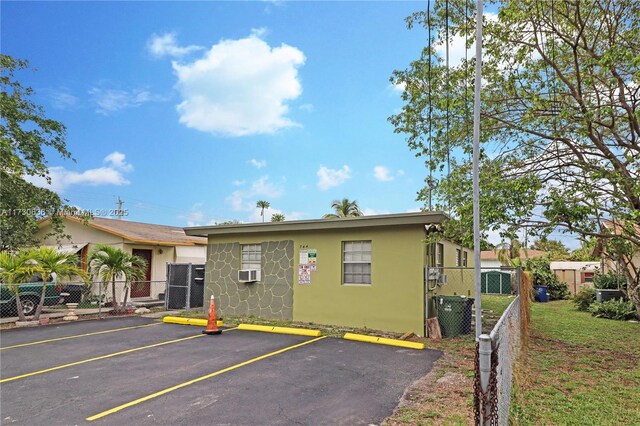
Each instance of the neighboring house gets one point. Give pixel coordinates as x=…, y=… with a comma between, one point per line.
x=366, y=271
x=612, y=261
x=575, y=274
x=490, y=259
x=157, y=244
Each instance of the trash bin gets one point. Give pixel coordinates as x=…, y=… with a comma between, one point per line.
x=541, y=293
x=454, y=315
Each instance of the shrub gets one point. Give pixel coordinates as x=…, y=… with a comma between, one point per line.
x=557, y=290
x=585, y=298
x=617, y=309
x=610, y=280
x=542, y=275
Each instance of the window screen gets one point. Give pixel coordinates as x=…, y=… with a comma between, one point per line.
x=356, y=262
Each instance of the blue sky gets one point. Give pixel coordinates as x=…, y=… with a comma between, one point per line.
x=191, y=112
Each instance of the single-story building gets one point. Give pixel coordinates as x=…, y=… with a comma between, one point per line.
x=365, y=271
x=575, y=274
x=157, y=244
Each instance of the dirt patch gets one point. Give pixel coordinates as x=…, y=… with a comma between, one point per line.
x=444, y=395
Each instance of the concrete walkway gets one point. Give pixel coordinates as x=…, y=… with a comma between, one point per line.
x=59, y=313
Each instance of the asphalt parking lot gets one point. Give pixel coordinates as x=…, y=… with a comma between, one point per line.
x=137, y=371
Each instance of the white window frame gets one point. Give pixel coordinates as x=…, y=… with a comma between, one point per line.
x=251, y=256
x=465, y=258
x=458, y=257
x=356, y=253
x=440, y=255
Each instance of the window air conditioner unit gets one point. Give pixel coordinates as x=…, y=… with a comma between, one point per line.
x=248, y=275
x=442, y=279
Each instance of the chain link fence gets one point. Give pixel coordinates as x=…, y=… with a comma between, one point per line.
x=497, y=354
x=451, y=297
x=93, y=298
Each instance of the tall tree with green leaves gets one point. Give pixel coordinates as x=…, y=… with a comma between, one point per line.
x=54, y=266
x=555, y=249
x=277, y=217
x=262, y=205
x=560, y=119
x=25, y=134
x=343, y=208
x=110, y=264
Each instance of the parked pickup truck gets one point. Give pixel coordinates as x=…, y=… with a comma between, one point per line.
x=29, y=296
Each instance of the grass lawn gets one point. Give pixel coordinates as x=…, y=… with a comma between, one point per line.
x=580, y=370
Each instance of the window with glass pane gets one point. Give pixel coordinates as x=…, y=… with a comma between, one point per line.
x=465, y=258
x=458, y=257
x=251, y=254
x=440, y=258
x=356, y=262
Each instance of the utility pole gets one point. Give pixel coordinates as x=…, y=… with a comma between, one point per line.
x=120, y=203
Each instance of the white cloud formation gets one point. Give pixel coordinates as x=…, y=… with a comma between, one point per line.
x=382, y=173
x=328, y=178
x=307, y=107
x=167, y=45
x=111, y=174
x=372, y=212
x=113, y=100
x=117, y=160
x=398, y=87
x=245, y=199
x=258, y=164
x=240, y=87
x=62, y=98
x=457, y=45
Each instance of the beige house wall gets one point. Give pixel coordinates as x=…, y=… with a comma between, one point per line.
x=161, y=254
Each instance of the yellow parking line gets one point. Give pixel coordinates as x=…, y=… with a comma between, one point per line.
x=128, y=351
x=199, y=379
x=75, y=336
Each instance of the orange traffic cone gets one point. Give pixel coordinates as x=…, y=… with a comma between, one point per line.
x=212, y=323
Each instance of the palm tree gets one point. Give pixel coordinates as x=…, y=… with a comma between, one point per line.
x=261, y=204
x=109, y=264
x=16, y=268
x=344, y=208
x=277, y=217
x=54, y=265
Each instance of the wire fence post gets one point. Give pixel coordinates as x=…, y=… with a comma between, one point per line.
x=99, y=300
x=484, y=351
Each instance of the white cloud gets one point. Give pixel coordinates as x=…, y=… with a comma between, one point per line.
x=457, y=45
x=195, y=216
x=62, y=178
x=328, y=178
x=398, y=87
x=62, y=98
x=258, y=164
x=117, y=160
x=239, y=182
x=240, y=87
x=372, y=212
x=113, y=100
x=166, y=45
x=307, y=107
x=245, y=199
x=382, y=173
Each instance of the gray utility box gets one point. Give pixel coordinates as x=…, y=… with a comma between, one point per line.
x=603, y=295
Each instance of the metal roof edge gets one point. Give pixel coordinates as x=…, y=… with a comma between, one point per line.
x=418, y=218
